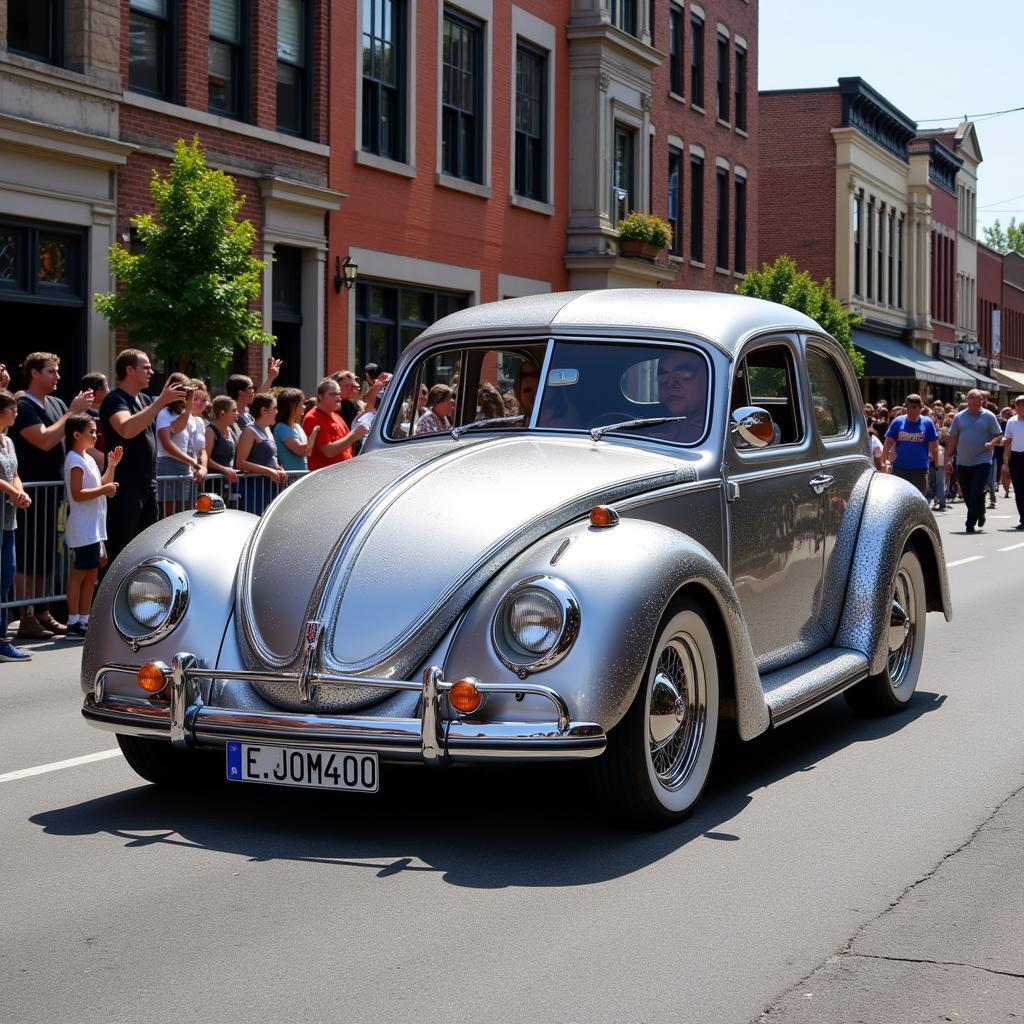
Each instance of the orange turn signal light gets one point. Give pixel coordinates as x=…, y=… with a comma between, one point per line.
x=204, y=503
x=603, y=516
x=151, y=677
x=465, y=695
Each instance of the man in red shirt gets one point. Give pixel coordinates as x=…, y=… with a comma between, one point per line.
x=334, y=442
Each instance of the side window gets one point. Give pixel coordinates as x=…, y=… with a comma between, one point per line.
x=767, y=378
x=829, y=395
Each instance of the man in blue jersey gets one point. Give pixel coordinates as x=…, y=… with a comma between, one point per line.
x=909, y=442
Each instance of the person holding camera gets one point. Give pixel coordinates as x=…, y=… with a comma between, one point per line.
x=177, y=463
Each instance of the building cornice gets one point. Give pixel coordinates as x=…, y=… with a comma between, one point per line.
x=871, y=113
x=63, y=142
x=297, y=193
x=610, y=38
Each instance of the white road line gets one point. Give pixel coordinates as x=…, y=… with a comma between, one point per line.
x=56, y=766
x=1013, y=547
x=964, y=561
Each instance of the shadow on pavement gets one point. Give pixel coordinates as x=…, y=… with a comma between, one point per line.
x=528, y=826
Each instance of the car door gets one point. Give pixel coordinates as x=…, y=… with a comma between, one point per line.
x=776, y=521
x=845, y=455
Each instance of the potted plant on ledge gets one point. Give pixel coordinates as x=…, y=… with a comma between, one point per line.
x=643, y=235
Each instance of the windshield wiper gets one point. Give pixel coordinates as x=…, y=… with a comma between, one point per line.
x=457, y=432
x=650, y=421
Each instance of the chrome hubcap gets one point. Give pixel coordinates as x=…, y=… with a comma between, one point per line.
x=677, y=710
x=902, y=630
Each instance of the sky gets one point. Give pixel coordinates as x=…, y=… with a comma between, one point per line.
x=935, y=61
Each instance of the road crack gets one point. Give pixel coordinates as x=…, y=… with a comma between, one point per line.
x=847, y=951
x=936, y=963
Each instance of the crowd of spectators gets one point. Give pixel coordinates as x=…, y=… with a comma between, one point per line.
x=102, y=469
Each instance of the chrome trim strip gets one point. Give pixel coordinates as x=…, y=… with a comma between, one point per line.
x=847, y=460
x=811, y=466
x=542, y=384
x=672, y=491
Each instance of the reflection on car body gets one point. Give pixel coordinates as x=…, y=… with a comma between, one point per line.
x=680, y=532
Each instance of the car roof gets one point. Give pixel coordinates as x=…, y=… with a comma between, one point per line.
x=724, y=319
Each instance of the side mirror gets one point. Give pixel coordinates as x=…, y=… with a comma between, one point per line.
x=751, y=427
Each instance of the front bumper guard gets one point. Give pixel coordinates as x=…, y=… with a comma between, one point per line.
x=178, y=713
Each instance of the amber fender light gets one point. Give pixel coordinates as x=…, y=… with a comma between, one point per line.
x=602, y=516
x=204, y=503
x=151, y=677
x=465, y=696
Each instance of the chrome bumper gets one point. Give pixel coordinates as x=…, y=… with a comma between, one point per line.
x=179, y=715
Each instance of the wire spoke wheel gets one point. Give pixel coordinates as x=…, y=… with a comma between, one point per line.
x=677, y=710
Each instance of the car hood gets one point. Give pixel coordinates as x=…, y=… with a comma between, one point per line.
x=387, y=549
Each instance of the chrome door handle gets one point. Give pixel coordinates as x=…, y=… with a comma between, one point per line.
x=821, y=482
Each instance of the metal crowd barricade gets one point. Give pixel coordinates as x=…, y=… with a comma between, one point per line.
x=45, y=559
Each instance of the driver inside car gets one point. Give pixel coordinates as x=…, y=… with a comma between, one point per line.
x=682, y=391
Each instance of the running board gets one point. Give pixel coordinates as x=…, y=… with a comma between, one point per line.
x=792, y=690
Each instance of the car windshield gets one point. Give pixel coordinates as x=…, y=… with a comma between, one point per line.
x=586, y=385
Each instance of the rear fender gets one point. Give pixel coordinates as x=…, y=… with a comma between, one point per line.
x=896, y=516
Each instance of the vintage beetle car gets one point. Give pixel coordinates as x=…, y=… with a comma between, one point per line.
x=683, y=531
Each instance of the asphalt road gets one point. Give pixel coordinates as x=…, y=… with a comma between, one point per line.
x=823, y=871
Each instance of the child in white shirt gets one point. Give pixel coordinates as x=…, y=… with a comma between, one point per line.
x=86, y=528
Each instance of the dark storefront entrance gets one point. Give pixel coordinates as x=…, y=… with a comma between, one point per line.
x=42, y=304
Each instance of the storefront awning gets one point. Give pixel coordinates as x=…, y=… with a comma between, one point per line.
x=980, y=380
x=1010, y=379
x=887, y=357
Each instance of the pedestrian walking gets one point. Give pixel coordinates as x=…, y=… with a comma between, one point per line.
x=38, y=435
x=12, y=497
x=86, y=529
x=1013, y=456
x=972, y=437
x=128, y=415
x=910, y=442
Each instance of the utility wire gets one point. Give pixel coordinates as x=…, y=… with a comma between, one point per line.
x=968, y=117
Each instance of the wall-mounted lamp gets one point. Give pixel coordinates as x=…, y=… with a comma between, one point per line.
x=345, y=273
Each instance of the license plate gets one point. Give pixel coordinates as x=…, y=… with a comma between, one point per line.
x=302, y=766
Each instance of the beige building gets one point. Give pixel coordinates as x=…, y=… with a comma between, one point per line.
x=60, y=90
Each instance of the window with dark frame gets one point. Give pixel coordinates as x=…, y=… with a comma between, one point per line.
x=722, y=80
x=624, y=170
x=151, y=47
x=696, y=208
x=869, y=291
x=899, y=263
x=294, y=29
x=740, y=114
x=675, y=185
x=890, y=255
x=623, y=15
x=696, y=60
x=384, y=78
x=739, y=216
x=35, y=28
x=857, y=219
x=531, y=179
x=676, y=77
x=227, y=57
x=390, y=315
x=44, y=261
x=722, y=218
x=462, y=97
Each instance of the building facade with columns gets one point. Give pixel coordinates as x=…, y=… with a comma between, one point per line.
x=93, y=96
x=848, y=193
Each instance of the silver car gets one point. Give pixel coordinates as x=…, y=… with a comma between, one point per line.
x=623, y=522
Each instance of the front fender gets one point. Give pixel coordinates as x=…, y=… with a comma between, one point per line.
x=624, y=578
x=208, y=547
x=895, y=514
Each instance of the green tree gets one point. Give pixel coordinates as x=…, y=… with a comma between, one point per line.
x=782, y=282
x=186, y=293
x=1010, y=240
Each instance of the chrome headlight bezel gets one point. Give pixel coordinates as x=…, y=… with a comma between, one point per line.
x=137, y=633
x=511, y=655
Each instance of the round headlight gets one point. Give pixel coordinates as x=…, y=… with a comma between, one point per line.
x=533, y=621
x=149, y=597
x=535, y=624
x=150, y=601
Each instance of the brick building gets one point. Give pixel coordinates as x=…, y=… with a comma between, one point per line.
x=488, y=150
x=95, y=93
x=849, y=190
x=1010, y=371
